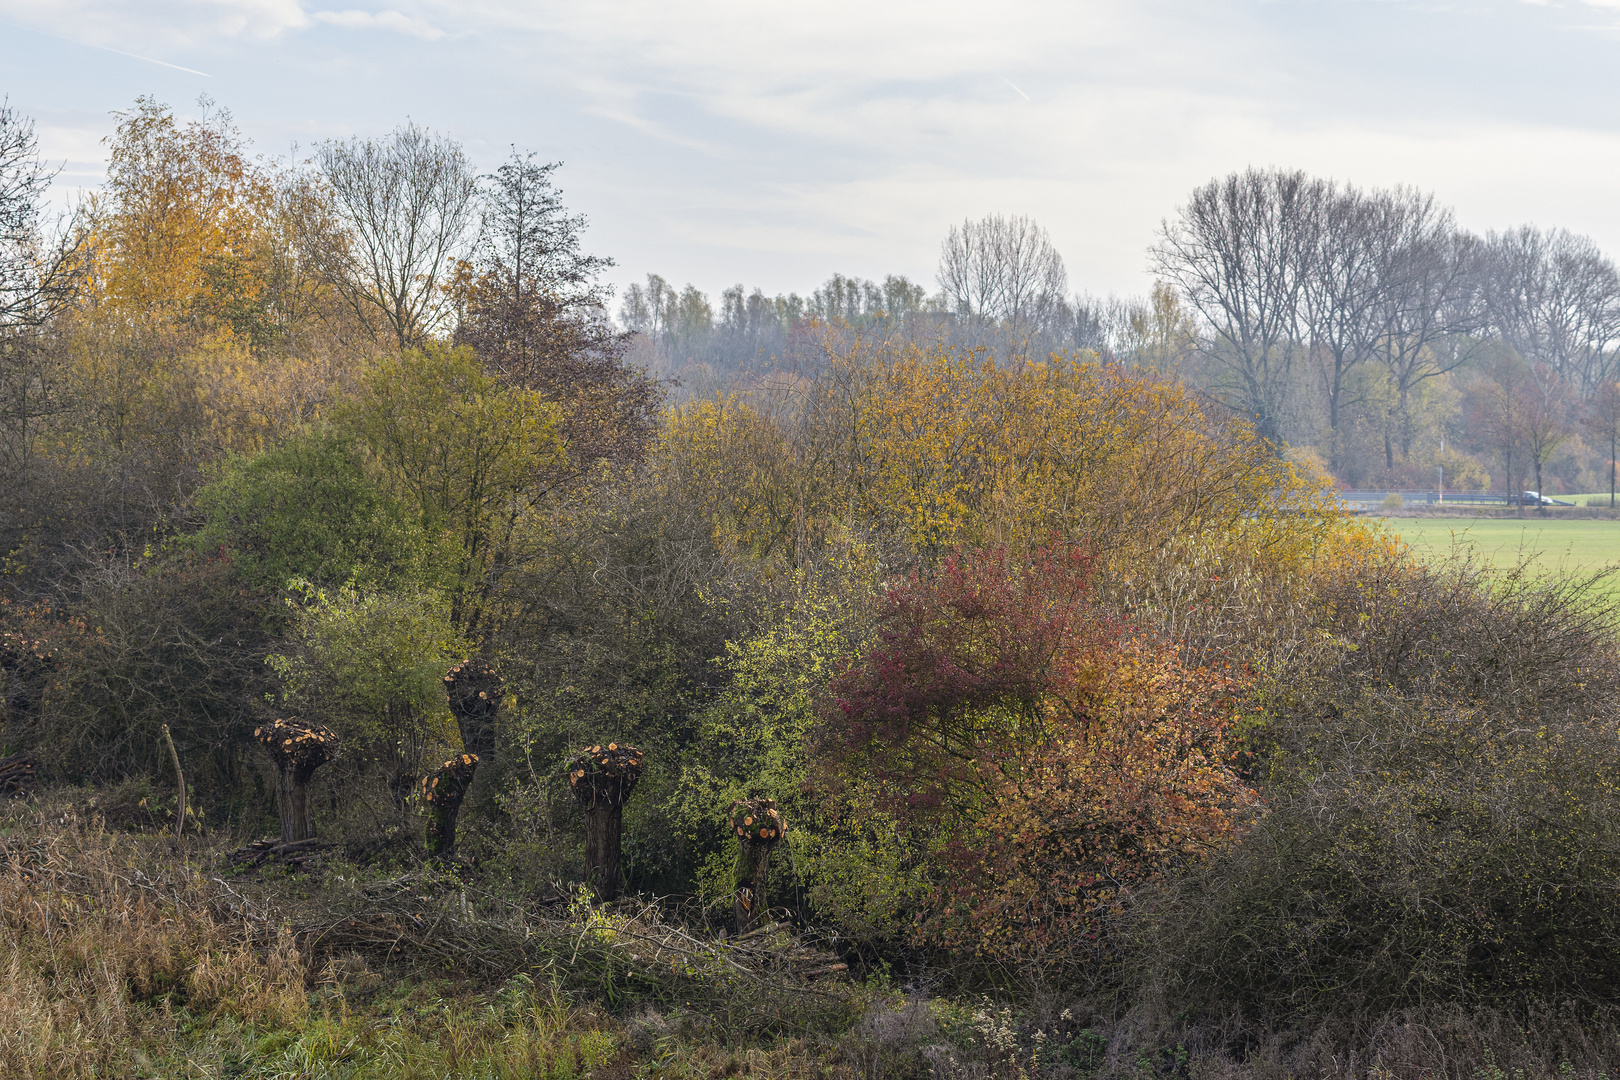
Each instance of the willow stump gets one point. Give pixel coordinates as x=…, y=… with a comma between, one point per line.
x=759, y=828
x=297, y=749
x=475, y=690
x=603, y=778
x=442, y=790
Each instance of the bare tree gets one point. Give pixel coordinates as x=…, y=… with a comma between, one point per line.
x=408, y=200
x=1519, y=411
x=1603, y=418
x=1240, y=252
x=35, y=274
x=1002, y=270
x=1427, y=302
x=1555, y=298
x=38, y=276
x=1342, y=287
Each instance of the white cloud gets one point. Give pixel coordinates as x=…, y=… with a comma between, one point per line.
x=157, y=23
x=381, y=20
x=718, y=142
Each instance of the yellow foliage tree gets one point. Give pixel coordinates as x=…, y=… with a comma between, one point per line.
x=205, y=325
x=472, y=457
x=944, y=448
x=180, y=226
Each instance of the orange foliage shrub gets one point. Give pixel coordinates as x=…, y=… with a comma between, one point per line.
x=1050, y=757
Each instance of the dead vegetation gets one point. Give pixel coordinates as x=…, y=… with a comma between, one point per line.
x=116, y=944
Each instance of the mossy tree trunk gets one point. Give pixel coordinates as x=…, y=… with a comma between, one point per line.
x=602, y=779
x=758, y=827
x=297, y=749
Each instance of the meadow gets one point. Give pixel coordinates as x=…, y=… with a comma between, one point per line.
x=1552, y=544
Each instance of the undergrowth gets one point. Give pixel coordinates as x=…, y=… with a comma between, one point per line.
x=134, y=956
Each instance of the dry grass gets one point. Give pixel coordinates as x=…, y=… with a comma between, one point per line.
x=126, y=957
x=130, y=955
x=100, y=952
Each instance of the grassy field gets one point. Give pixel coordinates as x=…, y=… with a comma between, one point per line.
x=1597, y=498
x=1555, y=545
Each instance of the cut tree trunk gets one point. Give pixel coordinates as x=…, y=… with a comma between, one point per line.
x=759, y=828
x=443, y=790
x=603, y=828
x=475, y=689
x=297, y=749
x=602, y=779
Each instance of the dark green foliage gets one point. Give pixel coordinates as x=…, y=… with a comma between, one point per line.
x=309, y=510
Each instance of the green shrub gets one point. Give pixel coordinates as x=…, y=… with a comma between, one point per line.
x=1442, y=821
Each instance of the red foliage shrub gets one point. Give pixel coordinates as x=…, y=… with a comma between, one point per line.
x=1048, y=756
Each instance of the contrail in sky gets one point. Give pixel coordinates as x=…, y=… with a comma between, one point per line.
x=1004, y=79
x=120, y=52
x=189, y=71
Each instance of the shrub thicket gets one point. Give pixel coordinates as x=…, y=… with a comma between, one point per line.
x=1440, y=819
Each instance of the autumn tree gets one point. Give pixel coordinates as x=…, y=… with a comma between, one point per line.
x=1049, y=758
x=939, y=447
x=176, y=230
x=194, y=334
x=470, y=458
x=529, y=304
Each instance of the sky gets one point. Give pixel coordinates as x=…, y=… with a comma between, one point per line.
x=773, y=144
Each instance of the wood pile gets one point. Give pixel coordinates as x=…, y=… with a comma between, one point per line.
x=300, y=855
x=18, y=774
x=432, y=920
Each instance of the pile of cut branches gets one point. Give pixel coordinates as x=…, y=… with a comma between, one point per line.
x=298, y=855
x=18, y=774
x=771, y=980
x=775, y=980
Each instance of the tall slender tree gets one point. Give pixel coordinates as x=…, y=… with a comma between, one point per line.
x=530, y=305
x=1241, y=252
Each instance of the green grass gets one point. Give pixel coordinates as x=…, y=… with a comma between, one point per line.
x=1554, y=545
x=1595, y=498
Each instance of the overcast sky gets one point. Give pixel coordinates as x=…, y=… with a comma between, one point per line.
x=775, y=143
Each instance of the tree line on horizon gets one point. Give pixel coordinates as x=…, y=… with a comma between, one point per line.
x=1364, y=330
